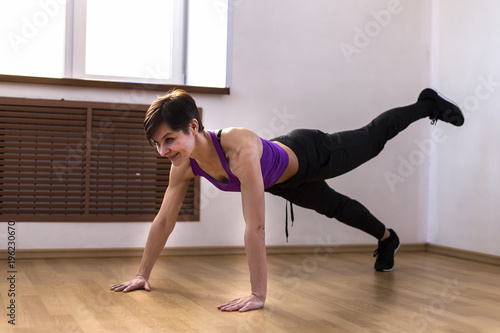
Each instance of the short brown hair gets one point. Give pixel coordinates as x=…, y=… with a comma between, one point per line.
x=177, y=108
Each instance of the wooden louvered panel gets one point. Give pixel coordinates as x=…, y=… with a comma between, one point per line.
x=86, y=161
x=116, y=163
x=33, y=139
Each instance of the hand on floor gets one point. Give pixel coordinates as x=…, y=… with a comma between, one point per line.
x=137, y=283
x=243, y=304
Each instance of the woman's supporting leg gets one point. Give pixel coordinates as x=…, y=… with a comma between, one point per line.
x=324, y=200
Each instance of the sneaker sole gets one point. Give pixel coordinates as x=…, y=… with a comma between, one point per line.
x=451, y=102
x=392, y=268
x=446, y=98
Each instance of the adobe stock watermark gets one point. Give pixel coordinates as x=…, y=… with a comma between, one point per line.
x=381, y=19
x=425, y=148
x=12, y=276
x=278, y=124
x=223, y=7
x=77, y=153
x=121, y=106
x=292, y=277
x=102, y=298
x=31, y=25
x=130, y=100
x=408, y=165
x=437, y=306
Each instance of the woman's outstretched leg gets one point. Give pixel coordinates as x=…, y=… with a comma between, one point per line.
x=355, y=147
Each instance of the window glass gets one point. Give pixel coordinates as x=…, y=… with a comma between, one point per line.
x=129, y=38
x=207, y=43
x=32, y=37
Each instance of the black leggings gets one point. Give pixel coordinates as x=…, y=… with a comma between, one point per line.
x=323, y=156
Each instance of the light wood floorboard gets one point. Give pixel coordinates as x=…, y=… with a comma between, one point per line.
x=336, y=292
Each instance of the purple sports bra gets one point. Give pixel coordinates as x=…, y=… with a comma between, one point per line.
x=273, y=163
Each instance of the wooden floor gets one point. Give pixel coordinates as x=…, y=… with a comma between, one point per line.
x=307, y=293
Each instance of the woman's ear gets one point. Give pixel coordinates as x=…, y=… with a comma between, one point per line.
x=193, y=126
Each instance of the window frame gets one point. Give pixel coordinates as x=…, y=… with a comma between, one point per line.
x=134, y=86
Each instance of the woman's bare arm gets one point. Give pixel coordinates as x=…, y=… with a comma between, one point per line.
x=162, y=226
x=245, y=164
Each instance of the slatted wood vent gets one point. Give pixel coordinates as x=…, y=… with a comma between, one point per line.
x=81, y=162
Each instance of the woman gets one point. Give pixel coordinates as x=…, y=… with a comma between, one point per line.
x=293, y=166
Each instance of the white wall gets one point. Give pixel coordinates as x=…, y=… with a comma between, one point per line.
x=288, y=72
x=465, y=170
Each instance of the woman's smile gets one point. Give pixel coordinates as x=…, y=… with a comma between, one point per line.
x=173, y=156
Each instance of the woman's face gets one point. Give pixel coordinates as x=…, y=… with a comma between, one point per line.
x=177, y=146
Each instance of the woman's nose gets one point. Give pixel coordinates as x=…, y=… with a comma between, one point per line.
x=162, y=150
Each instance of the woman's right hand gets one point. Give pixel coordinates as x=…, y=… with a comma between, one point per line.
x=138, y=283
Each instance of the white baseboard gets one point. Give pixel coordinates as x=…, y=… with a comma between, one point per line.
x=463, y=254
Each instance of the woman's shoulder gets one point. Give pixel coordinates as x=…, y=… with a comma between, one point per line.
x=237, y=131
x=236, y=140
x=236, y=136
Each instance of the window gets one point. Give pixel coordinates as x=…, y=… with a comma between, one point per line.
x=154, y=41
x=81, y=162
x=129, y=40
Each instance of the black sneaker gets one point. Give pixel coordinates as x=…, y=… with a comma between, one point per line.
x=446, y=110
x=385, y=253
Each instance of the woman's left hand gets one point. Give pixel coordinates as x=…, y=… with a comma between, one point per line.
x=243, y=304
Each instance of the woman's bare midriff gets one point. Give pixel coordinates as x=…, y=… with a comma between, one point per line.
x=293, y=164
